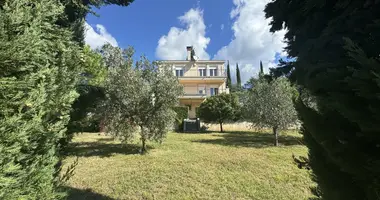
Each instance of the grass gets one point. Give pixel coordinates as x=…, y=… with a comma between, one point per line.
x=235, y=165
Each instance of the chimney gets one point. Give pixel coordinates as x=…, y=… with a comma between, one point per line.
x=189, y=50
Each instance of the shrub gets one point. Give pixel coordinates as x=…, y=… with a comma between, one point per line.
x=181, y=114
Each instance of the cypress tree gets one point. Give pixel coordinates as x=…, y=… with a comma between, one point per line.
x=229, y=83
x=238, y=79
x=39, y=68
x=261, y=73
x=337, y=67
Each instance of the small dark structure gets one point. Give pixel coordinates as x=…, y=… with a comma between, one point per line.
x=191, y=125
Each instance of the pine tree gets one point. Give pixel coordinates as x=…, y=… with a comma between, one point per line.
x=238, y=79
x=336, y=63
x=229, y=83
x=39, y=68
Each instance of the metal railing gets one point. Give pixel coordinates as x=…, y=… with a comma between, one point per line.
x=206, y=73
x=205, y=93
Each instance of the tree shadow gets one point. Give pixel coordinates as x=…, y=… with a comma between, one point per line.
x=84, y=194
x=103, y=149
x=251, y=139
x=105, y=139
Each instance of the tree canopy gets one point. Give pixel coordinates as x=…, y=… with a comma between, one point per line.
x=140, y=98
x=335, y=51
x=39, y=64
x=270, y=104
x=219, y=109
x=76, y=11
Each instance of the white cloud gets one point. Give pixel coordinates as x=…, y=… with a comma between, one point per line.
x=173, y=45
x=222, y=27
x=98, y=38
x=252, y=40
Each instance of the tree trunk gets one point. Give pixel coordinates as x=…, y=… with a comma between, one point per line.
x=143, y=147
x=275, y=132
x=143, y=140
x=221, y=127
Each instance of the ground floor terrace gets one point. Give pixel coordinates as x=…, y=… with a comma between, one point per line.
x=193, y=104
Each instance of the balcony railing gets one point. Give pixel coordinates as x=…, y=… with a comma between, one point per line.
x=194, y=73
x=204, y=93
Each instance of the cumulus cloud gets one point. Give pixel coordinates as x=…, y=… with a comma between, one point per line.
x=251, y=40
x=97, y=38
x=173, y=45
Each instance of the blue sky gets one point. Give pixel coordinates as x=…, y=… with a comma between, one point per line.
x=233, y=30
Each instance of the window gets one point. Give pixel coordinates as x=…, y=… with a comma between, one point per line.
x=179, y=71
x=202, y=71
x=213, y=71
x=201, y=89
x=214, y=91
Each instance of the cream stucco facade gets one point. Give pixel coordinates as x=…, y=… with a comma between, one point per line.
x=200, y=79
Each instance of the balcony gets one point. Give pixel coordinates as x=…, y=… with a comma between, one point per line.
x=189, y=93
x=204, y=75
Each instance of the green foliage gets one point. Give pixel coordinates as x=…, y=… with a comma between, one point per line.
x=335, y=48
x=238, y=79
x=181, y=114
x=95, y=71
x=229, y=82
x=116, y=57
x=39, y=69
x=270, y=104
x=261, y=76
x=77, y=10
x=85, y=115
x=219, y=109
x=141, y=98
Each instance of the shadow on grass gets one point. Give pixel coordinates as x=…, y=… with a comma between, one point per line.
x=87, y=194
x=251, y=139
x=103, y=149
x=105, y=139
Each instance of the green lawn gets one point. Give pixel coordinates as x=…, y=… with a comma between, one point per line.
x=240, y=165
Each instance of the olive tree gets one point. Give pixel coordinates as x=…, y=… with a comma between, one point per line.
x=270, y=104
x=219, y=109
x=139, y=101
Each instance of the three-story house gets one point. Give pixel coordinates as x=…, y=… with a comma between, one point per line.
x=200, y=79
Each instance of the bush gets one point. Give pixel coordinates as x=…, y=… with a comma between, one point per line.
x=182, y=113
